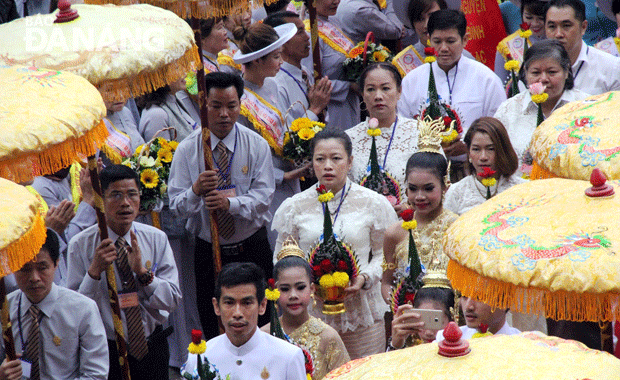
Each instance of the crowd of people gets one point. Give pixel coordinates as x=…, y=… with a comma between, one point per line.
x=260, y=80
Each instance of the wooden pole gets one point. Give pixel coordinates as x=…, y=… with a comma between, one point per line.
x=112, y=290
x=316, y=50
x=7, y=331
x=206, y=142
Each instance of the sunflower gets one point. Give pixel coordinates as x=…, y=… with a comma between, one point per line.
x=149, y=178
x=173, y=145
x=164, y=143
x=164, y=155
x=306, y=134
x=301, y=123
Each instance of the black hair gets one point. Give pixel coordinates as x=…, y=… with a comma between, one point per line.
x=155, y=98
x=114, y=173
x=333, y=133
x=277, y=6
x=234, y=274
x=218, y=79
x=206, y=26
x=535, y=7
x=443, y=296
x=52, y=245
x=292, y=262
x=578, y=7
x=418, y=7
x=615, y=7
x=380, y=65
x=277, y=19
x=548, y=49
x=434, y=162
x=447, y=19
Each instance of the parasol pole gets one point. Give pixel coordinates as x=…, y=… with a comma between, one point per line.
x=119, y=332
x=206, y=140
x=316, y=50
x=7, y=331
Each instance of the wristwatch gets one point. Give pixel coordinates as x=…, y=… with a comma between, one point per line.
x=147, y=278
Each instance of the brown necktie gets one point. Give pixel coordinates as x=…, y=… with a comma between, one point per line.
x=135, y=328
x=34, y=342
x=225, y=221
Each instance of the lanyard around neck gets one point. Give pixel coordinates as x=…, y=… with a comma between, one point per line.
x=451, y=87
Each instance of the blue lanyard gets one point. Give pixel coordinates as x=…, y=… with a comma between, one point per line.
x=230, y=160
x=19, y=322
x=450, y=88
x=581, y=64
x=390, y=143
x=342, y=195
x=296, y=81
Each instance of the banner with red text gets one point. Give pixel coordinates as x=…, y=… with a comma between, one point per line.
x=485, y=27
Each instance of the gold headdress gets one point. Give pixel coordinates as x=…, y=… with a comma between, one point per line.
x=436, y=279
x=290, y=248
x=429, y=135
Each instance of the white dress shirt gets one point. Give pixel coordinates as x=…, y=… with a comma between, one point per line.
x=251, y=172
x=291, y=89
x=263, y=356
x=469, y=192
x=73, y=343
x=468, y=332
x=157, y=299
x=476, y=90
x=596, y=71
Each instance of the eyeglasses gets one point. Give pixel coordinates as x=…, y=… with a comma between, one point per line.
x=117, y=196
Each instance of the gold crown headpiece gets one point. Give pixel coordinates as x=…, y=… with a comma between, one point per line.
x=429, y=135
x=436, y=279
x=290, y=248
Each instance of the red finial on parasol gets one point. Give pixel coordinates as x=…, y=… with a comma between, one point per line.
x=65, y=13
x=452, y=345
x=599, y=187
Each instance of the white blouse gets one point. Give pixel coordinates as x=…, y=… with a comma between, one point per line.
x=469, y=192
x=404, y=144
x=302, y=217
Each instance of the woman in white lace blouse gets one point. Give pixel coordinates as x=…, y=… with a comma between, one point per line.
x=360, y=218
x=488, y=146
x=381, y=86
x=546, y=62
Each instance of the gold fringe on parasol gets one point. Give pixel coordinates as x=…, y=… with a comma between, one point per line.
x=149, y=81
x=538, y=172
x=24, y=249
x=194, y=8
x=24, y=167
x=555, y=305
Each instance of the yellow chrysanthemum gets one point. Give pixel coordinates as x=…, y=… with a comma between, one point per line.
x=306, y=133
x=488, y=182
x=430, y=59
x=287, y=138
x=410, y=225
x=448, y=137
x=197, y=349
x=481, y=335
x=324, y=198
x=511, y=65
x=301, y=123
x=540, y=98
x=373, y=132
x=173, y=145
x=149, y=178
x=327, y=281
x=164, y=155
x=341, y=279
x=380, y=56
x=272, y=295
x=139, y=150
x=525, y=33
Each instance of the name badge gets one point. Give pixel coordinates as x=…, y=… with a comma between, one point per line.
x=126, y=300
x=26, y=367
x=229, y=192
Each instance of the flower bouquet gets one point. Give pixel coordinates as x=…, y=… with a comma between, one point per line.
x=525, y=33
x=297, y=140
x=438, y=109
x=407, y=287
x=488, y=179
x=198, y=367
x=152, y=163
x=362, y=54
x=333, y=262
x=512, y=66
x=378, y=179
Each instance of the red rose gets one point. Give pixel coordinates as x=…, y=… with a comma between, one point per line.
x=487, y=172
x=409, y=297
x=196, y=336
x=321, y=189
x=446, y=121
x=429, y=51
x=483, y=327
x=272, y=283
x=326, y=266
x=524, y=26
x=407, y=215
x=508, y=57
x=342, y=266
x=318, y=272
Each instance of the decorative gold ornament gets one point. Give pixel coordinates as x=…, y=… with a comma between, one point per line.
x=57, y=341
x=290, y=248
x=436, y=279
x=264, y=373
x=429, y=135
x=244, y=169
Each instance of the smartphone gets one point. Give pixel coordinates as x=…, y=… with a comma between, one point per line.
x=433, y=319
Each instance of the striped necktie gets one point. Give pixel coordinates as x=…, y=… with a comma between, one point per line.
x=34, y=343
x=225, y=221
x=135, y=328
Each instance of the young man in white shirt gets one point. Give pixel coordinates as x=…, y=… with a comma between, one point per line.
x=594, y=71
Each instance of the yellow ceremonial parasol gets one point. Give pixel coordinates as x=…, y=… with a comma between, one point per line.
x=530, y=355
x=47, y=119
x=577, y=138
x=542, y=247
x=195, y=8
x=125, y=51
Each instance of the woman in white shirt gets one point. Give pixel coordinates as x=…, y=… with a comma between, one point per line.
x=488, y=147
x=360, y=218
x=546, y=62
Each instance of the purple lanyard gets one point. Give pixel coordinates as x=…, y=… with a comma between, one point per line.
x=390, y=143
x=296, y=81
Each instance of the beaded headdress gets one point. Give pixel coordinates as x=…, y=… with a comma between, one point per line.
x=290, y=248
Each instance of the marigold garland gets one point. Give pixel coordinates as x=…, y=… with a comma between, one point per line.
x=540, y=98
x=488, y=182
x=341, y=279
x=430, y=59
x=327, y=281
x=511, y=65
x=448, y=137
x=373, y=132
x=525, y=33
x=410, y=225
x=197, y=349
x=272, y=295
x=326, y=197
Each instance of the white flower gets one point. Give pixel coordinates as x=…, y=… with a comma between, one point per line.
x=147, y=161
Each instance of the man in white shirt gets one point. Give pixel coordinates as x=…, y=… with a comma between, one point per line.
x=480, y=318
x=295, y=82
x=146, y=276
x=67, y=341
x=595, y=71
x=244, y=351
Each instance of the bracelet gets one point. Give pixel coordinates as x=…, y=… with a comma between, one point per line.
x=146, y=278
x=385, y=265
